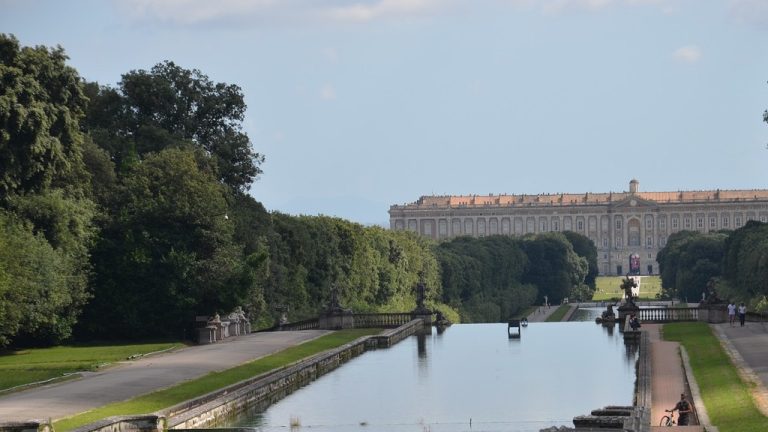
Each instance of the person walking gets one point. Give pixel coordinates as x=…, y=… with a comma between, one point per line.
x=731, y=313
x=683, y=407
x=742, y=314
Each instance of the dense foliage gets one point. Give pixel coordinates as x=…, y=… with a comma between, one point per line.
x=736, y=260
x=493, y=278
x=124, y=213
x=46, y=211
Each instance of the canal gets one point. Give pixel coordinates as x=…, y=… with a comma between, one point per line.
x=472, y=377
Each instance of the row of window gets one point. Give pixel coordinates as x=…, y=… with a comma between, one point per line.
x=479, y=226
x=633, y=241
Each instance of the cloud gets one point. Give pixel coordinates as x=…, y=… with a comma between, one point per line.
x=753, y=12
x=383, y=9
x=563, y=6
x=556, y=6
x=191, y=12
x=687, y=54
x=327, y=92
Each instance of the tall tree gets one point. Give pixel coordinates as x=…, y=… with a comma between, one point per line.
x=169, y=106
x=44, y=189
x=168, y=253
x=41, y=103
x=584, y=247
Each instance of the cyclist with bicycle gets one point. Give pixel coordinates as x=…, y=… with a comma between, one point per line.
x=683, y=407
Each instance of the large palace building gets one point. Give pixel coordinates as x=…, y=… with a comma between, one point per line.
x=628, y=228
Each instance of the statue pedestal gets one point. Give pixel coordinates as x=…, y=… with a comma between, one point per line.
x=423, y=313
x=713, y=313
x=336, y=320
x=626, y=309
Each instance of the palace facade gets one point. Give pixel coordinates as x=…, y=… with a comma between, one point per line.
x=628, y=228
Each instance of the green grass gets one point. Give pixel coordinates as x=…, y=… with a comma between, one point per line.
x=38, y=364
x=558, y=314
x=726, y=396
x=609, y=287
x=213, y=381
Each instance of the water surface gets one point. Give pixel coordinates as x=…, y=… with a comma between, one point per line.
x=470, y=378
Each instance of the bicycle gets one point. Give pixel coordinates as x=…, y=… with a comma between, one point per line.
x=668, y=420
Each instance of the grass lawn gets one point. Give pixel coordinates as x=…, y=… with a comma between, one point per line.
x=609, y=287
x=558, y=314
x=213, y=381
x=38, y=364
x=727, y=398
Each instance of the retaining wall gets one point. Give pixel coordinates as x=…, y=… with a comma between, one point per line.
x=266, y=389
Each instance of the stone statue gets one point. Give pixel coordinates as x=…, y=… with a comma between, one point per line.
x=420, y=295
x=627, y=285
x=333, y=303
x=711, y=296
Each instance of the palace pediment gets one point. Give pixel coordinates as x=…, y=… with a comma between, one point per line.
x=634, y=202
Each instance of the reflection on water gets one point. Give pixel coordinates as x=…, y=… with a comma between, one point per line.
x=471, y=377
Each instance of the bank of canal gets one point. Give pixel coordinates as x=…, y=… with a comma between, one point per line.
x=472, y=376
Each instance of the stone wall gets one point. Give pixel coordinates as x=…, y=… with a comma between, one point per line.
x=28, y=426
x=266, y=389
x=142, y=423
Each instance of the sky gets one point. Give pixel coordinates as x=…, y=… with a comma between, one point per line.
x=362, y=104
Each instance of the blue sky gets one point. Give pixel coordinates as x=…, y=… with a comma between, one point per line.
x=360, y=104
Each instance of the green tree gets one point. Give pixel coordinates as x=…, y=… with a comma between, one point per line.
x=482, y=277
x=689, y=260
x=41, y=103
x=584, y=247
x=745, y=262
x=554, y=266
x=168, y=253
x=169, y=106
x=37, y=301
x=44, y=186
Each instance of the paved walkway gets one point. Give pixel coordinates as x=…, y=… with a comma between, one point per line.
x=748, y=348
x=133, y=378
x=668, y=375
x=542, y=313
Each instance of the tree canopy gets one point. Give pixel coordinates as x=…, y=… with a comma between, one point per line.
x=41, y=103
x=169, y=106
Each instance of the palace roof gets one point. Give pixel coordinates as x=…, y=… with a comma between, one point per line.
x=568, y=199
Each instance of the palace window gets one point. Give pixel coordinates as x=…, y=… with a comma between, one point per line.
x=713, y=222
x=618, y=224
x=649, y=241
x=663, y=223
x=700, y=222
x=618, y=243
x=555, y=225
x=542, y=226
x=605, y=241
x=675, y=223
x=737, y=221
x=649, y=223
x=725, y=221
x=687, y=223
x=580, y=225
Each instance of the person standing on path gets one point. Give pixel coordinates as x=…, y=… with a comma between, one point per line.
x=731, y=313
x=742, y=314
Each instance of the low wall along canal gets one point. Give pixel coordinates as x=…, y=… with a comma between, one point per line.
x=470, y=376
